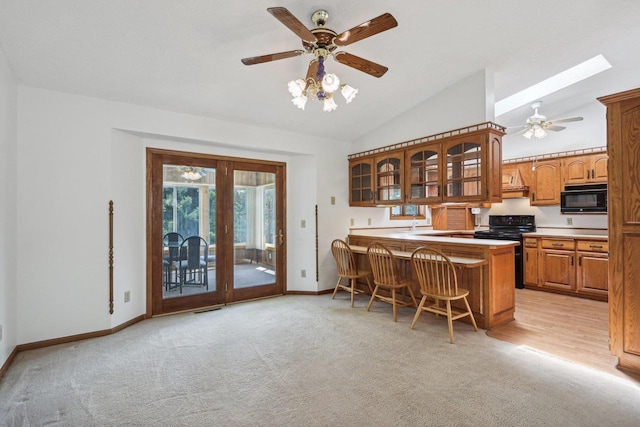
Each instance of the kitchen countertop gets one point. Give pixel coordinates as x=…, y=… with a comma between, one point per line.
x=436, y=236
x=570, y=233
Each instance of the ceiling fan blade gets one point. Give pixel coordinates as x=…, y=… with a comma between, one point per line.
x=271, y=57
x=292, y=23
x=554, y=127
x=367, y=29
x=361, y=64
x=570, y=119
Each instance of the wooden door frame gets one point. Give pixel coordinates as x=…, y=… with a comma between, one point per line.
x=155, y=158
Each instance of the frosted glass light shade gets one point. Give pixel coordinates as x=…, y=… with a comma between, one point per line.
x=329, y=104
x=330, y=83
x=349, y=93
x=296, y=87
x=300, y=101
x=539, y=133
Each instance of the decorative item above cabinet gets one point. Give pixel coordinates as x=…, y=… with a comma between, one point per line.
x=461, y=165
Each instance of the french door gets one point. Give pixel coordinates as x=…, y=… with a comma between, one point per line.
x=215, y=230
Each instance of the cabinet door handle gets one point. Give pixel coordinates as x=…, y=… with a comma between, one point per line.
x=557, y=244
x=593, y=174
x=533, y=197
x=595, y=246
x=588, y=174
x=571, y=259
x=580, y=260
x=438, y=190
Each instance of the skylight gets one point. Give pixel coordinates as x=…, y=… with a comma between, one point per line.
x=566, y=78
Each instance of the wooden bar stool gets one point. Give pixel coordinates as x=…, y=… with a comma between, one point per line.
x=348, y=269
x=386, y=275
x=439, y=282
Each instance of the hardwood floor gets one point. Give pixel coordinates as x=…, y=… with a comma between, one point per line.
x=572, y=328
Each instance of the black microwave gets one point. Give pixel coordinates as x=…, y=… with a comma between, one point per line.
x=584, y=199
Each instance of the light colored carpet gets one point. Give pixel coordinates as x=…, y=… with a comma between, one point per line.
x=306, y=361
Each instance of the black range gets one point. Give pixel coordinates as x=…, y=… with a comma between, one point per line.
x=510, y=227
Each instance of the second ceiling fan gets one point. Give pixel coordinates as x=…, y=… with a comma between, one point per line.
x=537, y=125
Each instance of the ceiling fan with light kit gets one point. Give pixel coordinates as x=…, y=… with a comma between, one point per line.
x=537, y=125
x=322, y=42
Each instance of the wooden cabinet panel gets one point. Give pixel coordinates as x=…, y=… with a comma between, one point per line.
x=422, y=176
x=558, y=269
x=576, y=170
x=592, y=273
x=388, y=182
x=558, y=244
x=546, y=183
x=361, y=182
x=600, y=167
x=623, y=148
x=592, y=246
x=589, y=168
x=531, y=266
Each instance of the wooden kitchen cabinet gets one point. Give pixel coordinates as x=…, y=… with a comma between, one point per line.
x=388, y=182
x=571, y=266
x=593, y=267
x=361, y=182
x=591, y=168
x=623, y=148
x=423, y=174
x=462, y=165
x=546, y=183
x=557, y=264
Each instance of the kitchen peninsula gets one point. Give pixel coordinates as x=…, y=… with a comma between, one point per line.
x=491, y=285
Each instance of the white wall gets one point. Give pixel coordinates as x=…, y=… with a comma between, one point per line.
x=8, y=236
x=77, y=153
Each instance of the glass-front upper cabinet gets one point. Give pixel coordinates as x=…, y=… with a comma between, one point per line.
x=389, y=178
x=422, y=176
x=464, y=169
x=361, y=182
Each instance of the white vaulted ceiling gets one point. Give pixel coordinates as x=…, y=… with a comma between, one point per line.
x=185, y=56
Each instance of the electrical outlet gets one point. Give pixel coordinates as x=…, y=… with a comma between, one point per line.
x=333, y=200
x=352, y=221
x=303, y=223
x=569, y=221
x=127, y=296
x=303, y=273
x=369, y=221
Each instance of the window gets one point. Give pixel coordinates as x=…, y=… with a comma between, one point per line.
x=407, y=212
x=269, y=215
x=181, y=210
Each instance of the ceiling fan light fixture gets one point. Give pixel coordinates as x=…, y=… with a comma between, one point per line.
x=300, y=101
x=329, y=104
x=330, y=83
x=296, y=87
x=528, y=134
x=539, y=133
x=349, y=93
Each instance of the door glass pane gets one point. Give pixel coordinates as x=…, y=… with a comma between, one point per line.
x=188, y=221
x=254, y=228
